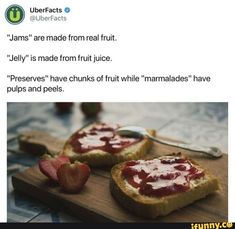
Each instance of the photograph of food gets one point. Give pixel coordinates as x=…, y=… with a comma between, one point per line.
x=117, y=162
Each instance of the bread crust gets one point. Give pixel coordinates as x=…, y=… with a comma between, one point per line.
x=152, y=207
x=98, y=158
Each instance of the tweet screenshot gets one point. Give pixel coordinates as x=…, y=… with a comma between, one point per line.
x=117, y=111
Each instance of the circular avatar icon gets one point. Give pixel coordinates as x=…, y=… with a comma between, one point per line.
x=14, y=14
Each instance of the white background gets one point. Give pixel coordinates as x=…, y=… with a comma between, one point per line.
x=154, y=37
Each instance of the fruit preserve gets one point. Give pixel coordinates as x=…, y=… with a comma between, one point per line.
x=161, y=177
x=100, y=136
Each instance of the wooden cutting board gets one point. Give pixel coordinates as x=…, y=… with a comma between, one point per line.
x=95, y=203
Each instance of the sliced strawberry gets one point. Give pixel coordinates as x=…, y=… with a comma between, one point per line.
x=72, y=177
x=49, y=165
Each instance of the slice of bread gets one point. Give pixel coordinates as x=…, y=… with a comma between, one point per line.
x=152, y=206
x=99, y=157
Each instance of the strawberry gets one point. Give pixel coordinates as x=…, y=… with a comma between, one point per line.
x=91, y=110
x=72, y=177
x=64, y=107
x=49, y=165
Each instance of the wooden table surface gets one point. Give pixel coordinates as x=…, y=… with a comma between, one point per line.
x=203, y=123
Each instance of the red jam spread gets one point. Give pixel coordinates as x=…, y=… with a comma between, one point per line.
x=100, y=136
x=161, y=177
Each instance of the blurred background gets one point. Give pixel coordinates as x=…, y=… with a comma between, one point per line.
x=202, y=123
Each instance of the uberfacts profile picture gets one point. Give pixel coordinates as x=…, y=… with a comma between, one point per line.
x=14, y=14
